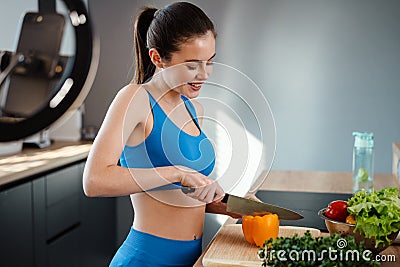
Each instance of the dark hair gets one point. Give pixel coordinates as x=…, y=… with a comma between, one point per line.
x=165, y=29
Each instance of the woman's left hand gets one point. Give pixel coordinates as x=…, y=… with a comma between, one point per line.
x=253, y=197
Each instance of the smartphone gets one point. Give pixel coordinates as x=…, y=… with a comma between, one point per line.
x=40, y=35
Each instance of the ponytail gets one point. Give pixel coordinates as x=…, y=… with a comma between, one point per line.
x=144, y=67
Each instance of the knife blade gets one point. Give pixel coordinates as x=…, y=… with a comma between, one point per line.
x=245, y=206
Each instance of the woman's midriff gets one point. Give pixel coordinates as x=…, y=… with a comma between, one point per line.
x=168, y=214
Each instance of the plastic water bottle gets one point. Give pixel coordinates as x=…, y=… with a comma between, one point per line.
x=363, y=161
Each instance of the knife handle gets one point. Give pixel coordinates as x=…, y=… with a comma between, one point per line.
x=187, y=190
x=225, y=199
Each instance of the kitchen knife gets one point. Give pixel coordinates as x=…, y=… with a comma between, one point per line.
x=245, y=206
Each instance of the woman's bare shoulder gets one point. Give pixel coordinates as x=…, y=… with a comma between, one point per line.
x=135, y=92
x=130, y=102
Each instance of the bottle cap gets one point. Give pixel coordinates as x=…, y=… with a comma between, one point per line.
x=363, y=139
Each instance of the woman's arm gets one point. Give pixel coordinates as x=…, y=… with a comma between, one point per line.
x=102, y=176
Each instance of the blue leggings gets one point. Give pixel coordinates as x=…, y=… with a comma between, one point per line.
x=143, y=249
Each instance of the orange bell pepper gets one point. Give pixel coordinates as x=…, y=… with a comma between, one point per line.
x=351, y=219
x=258, y=229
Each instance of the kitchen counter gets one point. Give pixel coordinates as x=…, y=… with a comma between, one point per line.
x=31, y=162
x=321, y=182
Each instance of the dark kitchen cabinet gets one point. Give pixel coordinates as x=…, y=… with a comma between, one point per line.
x=57, y=217
x=16, y=227
x=98, y=217
x=65, y=251
x=50, y=222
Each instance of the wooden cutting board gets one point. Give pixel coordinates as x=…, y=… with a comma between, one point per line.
x=231, y=249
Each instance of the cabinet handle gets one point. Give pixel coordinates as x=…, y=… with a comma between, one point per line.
x=63, y=233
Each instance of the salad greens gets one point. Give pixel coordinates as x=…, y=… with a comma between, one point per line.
x=377, y=213
x=314, y=251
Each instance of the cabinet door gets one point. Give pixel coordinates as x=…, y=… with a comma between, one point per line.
x=39, y=221
x=98, y=230
x=63, y=220
x=16, y=228
x=57, y=219
x=65, y=251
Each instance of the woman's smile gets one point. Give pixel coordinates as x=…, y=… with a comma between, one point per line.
x=195, y=86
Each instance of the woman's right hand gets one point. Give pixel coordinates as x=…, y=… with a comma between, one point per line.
x=205, y=189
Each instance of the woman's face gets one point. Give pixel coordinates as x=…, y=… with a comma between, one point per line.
x=191, y=65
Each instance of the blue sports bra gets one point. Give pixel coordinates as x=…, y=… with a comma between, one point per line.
x=168, y=145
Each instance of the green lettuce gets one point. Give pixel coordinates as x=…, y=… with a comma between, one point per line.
x=377, y=213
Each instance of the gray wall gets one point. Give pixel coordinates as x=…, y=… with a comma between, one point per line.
x=113, y=23
x=327, y=68
x=11, y=14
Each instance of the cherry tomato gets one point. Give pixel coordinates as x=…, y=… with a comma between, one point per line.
x=337, y=210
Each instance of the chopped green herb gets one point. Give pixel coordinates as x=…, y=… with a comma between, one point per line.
x=307, y=250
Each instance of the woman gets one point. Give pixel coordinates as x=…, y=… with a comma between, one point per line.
x=154, y=130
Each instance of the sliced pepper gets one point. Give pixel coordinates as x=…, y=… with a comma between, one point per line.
x=258, y=229
x=351, y=219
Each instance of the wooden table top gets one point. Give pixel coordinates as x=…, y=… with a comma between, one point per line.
x=320, y=181
x=33, y=161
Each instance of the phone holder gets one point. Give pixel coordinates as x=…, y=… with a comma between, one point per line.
x=30, y=63
x=8, y=63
